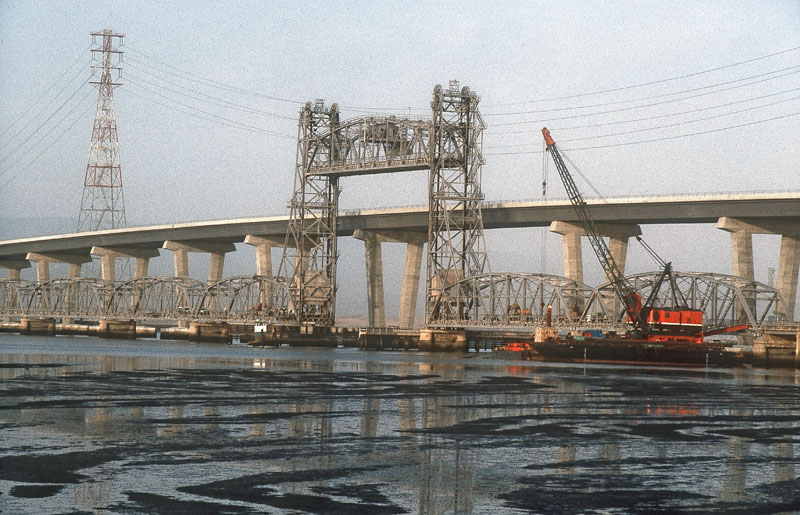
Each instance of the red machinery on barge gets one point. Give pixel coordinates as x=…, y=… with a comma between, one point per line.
x=657, y=335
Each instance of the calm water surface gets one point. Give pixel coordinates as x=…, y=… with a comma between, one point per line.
x=166, y=427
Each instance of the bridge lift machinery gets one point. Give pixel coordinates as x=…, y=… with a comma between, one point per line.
x=678, y=323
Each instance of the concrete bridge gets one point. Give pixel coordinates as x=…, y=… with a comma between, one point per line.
x=740, y=214
x=459, y=285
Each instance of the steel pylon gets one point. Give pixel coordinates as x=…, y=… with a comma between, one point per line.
x=456, y=246
x=309, y=254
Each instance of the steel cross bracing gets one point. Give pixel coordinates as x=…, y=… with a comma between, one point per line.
x=502, y=299
x=516, y=300
x=725, y=300
x=373, y=145
x=456, y=247
x=309, y=254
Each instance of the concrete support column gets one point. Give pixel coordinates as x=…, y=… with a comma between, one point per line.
x=410, y=291
x=742, y=254
x=142, y=268
x=376, y=308
x=742, y=257
x=264, y=245
x=411, y=273
x=619, y=251
x=181, y=251
x=108, y=268
x=215, y=267
x=618, y=235
x=109, y=255
x=742, y=230
x=181, y=262
x=14, y=267
x=43, y=271
x=43, y=260
x=573, y=255
x=788, y=265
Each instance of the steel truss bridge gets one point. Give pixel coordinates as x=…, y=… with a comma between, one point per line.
x=461, y=291
x=500, y=300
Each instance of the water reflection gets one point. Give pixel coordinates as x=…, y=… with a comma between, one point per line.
x=369, y=431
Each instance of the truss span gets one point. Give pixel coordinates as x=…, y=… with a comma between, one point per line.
x=73, y=297
x=247, y=297
x=725, y=300
x=512, y=300
x=236, y=298
x=372, y=145
x=158, y=297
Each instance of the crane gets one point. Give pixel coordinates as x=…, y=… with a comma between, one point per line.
x=663, y=324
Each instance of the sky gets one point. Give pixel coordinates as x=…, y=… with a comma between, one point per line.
x=646, y=98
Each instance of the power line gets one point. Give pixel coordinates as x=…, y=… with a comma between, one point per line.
x=647, y=118
x=604, y=104
x=234, y=89
x=41, y=125
x=221, y=120
x=651, y=83
x=41, y=110
x=214, y=100
x=646, y=129
x=25, y=113
x=53, y=127
x=720, y=129
x=48, y=147
x=683, y=123
x=211, y=82
x=611, y=111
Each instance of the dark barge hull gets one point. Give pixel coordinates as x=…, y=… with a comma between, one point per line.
x=637, y=352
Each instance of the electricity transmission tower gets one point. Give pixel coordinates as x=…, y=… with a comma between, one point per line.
x=102, y=203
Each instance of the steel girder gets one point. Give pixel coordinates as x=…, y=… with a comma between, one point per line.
x=725, y=300
x=511, y=300
x=456, y=246
x=158, y=297
x=371, y=145
x=235, y=298
x=71, y=297
x=250, y=297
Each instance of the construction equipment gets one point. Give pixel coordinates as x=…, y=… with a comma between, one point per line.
x=678, y=323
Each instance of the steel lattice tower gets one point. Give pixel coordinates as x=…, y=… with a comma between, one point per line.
x=103, y=204
x=309, y=255
x=456, y=246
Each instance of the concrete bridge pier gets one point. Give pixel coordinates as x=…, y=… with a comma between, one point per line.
x=618, y=235
x=411, y=273
x=264, y=246
x=43, y=260
x=742, y=230
x=109, y=255
x=181, y=251
x=14, y=267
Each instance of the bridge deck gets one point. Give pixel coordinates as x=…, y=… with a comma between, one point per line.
x=496, y=215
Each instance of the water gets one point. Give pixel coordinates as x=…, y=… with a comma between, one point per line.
x=161, y=427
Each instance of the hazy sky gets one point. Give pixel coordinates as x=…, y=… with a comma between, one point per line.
x=207, y=114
